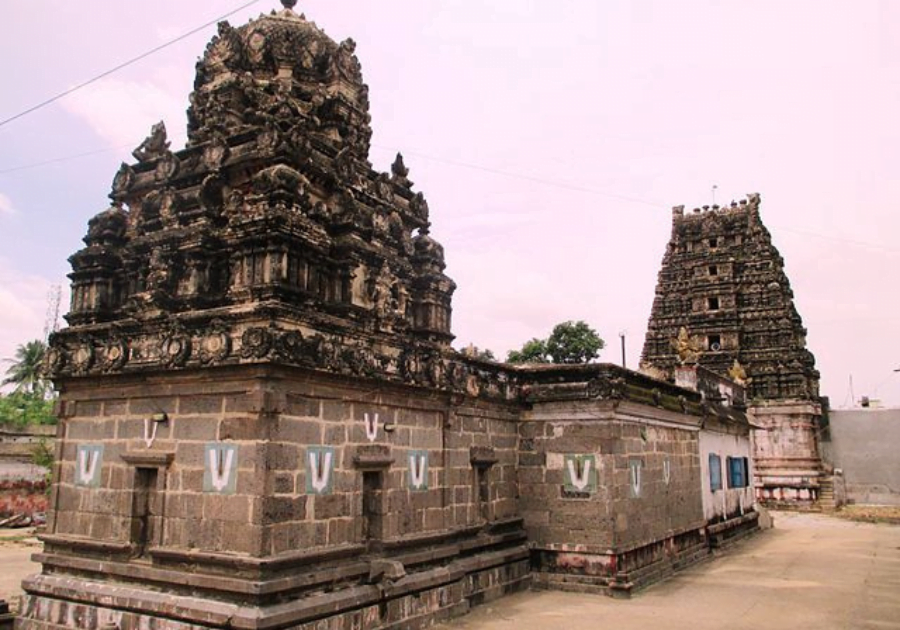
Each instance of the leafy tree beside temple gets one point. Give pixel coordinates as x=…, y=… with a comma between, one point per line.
x=570, y=342
x=30, y=401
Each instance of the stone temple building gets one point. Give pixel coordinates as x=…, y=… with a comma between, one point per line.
x=723, y=301
x=263, y=424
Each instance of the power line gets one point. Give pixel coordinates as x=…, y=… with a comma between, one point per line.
x=125, y=64
x=66, y=158
x=528, y=178
x=838, y=239
x=494, y=171
x=25, y=167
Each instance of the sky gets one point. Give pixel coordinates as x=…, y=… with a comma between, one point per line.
x=551, y=140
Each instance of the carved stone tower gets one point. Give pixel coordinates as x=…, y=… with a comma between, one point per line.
x=256, y=385
x=270, y=232
x=723, y=301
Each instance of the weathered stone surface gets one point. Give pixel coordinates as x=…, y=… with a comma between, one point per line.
x=724, y=281
x=723, y=300
x=265, y=425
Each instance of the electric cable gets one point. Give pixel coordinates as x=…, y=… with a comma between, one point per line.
x=124, y=64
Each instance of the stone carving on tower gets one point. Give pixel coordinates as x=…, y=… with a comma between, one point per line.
x=272, y=218
x=723, y=280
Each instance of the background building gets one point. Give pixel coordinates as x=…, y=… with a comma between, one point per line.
x=723, y=301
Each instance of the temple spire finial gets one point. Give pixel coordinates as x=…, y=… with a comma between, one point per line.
x=289, y=4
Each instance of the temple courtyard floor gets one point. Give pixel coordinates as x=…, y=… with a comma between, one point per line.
x=810, y=571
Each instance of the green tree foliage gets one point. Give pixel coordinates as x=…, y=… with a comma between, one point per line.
x=533, y=351
x=485, y=355
x=574, y=342
x=42, y=455
x=22, y=408
x=26, y=371
x=570, y=342
x=29, y=402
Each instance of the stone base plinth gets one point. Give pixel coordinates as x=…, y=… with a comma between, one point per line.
x=416, y=600
x=617, y=572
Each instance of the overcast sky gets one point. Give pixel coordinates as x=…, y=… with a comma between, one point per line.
x=550, y=138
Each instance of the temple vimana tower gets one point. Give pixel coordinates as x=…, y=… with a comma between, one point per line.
x=723, y=301
x=262, y=423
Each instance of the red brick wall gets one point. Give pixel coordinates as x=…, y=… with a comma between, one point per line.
x=22, y=497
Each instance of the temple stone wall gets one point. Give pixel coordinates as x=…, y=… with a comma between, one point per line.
x=110, y=434
x=272, y=498
x=284, y=478
x=263, y=422
x=863, y=446
x=639, y=501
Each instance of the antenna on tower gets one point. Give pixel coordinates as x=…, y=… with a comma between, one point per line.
x=51, y=321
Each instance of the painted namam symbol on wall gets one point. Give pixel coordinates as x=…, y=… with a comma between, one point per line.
x=319, y=469
x=89, y=460
x=418, y=470
x=635, y=467
x=150, y=433
x=371, y=426
x=220, y=468
x=580, y=473
x=667, y=470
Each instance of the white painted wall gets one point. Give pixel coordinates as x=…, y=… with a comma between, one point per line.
x=726, y=500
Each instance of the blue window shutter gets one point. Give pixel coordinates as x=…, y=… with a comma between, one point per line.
x=715, y=472
x=737, y=476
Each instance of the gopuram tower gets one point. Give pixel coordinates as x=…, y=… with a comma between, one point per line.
x=262, y=423
x=723, y=301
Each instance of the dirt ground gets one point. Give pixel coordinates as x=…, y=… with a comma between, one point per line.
x=810, y=571
x=16, y=547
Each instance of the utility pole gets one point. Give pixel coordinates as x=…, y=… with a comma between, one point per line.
x=622, y=337
x=51, y=320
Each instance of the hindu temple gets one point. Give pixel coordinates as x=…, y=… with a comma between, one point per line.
x=723, y=301
x=262, y=422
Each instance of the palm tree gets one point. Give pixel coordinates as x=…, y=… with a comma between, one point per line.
x=26, y=370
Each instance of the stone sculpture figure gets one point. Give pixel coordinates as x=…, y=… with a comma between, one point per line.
x=738, y=374
x=688, y=349
x=155, y=145
x=382, y=292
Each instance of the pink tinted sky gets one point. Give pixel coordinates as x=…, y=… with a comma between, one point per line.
x=551, y=140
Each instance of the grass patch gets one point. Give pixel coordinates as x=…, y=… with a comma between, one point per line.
x=888, y=514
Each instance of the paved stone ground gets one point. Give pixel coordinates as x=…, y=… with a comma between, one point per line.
x=811, y=571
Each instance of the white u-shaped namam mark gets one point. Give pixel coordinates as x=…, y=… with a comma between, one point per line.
x=371, y=427
x=220, y=460
x=580, y=479
x=636, y=478
x=149, y=434
x=320, y=470
x=87, y=465
x=417, y=470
